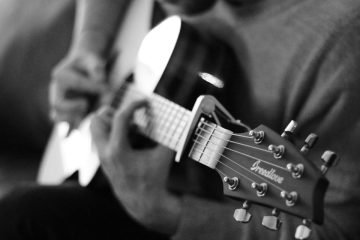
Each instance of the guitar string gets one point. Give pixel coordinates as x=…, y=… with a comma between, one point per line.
x=234, y=134
x=166, y=135
x=239, y=173
x=152, y=130
x=238, y=143
x=238, y=152
x=265, y=180
x=231, y=160
x=246, y=155
x=156, y=98
x=212, y=134
x=160, y=100
x=212, y=150
x=222, y=173
x=206, y=145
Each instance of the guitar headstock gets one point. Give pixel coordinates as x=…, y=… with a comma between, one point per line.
x=262, y=167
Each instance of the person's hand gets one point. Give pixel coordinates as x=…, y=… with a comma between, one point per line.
x=138, y=176
x=77, y=81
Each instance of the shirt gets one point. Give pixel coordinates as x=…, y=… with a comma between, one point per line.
x=297, y=60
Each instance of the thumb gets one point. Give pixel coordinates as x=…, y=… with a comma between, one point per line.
x=122, y=121
x=100, y=126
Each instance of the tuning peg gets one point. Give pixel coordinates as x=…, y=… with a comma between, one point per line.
x=303, y=231
x=261, y=189
x=233, y=183
x=310, y=141
x=272, y=222
x=329, y=158
x=290, y=198
x=242, y=214
x=257, y=135
x=289, y=130
x=278, y=151
x=296, y=170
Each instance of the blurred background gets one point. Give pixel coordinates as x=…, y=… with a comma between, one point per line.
x=34, y=36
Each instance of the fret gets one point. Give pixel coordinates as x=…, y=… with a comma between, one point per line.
x=169, y=125
x=198, y=147
x=161, y=112
x=175, y=126
x=182, y=118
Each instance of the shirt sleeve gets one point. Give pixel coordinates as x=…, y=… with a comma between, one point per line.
x=332, y=110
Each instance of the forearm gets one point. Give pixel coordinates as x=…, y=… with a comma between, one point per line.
x=165, y=215
x=96, y=24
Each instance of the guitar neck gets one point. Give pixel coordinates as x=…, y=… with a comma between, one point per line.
x=166, y=122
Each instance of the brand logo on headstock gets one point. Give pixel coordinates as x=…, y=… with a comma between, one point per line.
x=270, y=174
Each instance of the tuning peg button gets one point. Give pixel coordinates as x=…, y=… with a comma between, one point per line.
x=310, y=141
x=329, y=158
x=272, y=222
x=303, y=231
x=242, y=214
x=289, y=130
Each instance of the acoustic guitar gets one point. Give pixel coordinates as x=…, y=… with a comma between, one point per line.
x=175, y=63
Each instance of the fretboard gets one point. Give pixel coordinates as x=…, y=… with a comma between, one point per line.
x=164, y=121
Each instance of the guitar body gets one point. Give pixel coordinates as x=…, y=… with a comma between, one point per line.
x=171, y=62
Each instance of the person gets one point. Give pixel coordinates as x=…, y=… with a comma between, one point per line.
x=299, y=61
